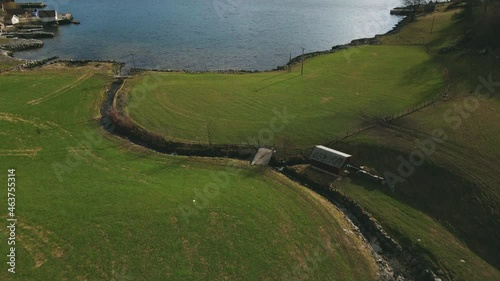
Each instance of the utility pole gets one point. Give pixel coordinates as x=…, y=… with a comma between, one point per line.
x=289, y=61
x=302, y=67
x=432, y=26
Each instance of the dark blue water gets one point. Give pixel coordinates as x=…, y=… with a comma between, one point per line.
x=211, y=34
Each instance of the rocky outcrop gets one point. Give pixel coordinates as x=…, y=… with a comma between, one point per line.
x=21, y=44
x=30, y=64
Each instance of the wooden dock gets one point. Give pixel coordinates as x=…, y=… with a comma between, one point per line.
x=30, y=35
x=31, y=4
x=64, y=18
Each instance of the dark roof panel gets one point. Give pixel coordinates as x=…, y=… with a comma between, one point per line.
x=46, y=13
x=328, y=156
x=15, y=11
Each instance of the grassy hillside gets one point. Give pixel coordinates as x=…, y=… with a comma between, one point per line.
x=457, y=183
x=421, y=233
x=414, y=229
x=92, y=207
x=450, y=201
x=338, y=92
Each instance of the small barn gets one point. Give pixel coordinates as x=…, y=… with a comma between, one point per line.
x=329, y=160
x=47, y=16
x=11, y=19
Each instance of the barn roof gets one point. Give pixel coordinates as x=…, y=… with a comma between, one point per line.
x=47, y=13
x=329, y=156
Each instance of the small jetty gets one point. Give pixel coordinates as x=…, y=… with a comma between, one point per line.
x=31, y=4
x=30, y=27
x=65, y=18
x=29, y=34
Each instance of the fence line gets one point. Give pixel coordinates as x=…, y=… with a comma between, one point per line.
x=389, y=118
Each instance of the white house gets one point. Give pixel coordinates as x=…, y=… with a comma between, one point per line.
x=47, y=16
x=11, y=19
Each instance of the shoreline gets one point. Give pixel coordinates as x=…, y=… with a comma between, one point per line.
x=297, y=59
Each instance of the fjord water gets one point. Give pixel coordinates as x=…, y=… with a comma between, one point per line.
x=211, y=34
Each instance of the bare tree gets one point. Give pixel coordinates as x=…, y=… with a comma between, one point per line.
x=413, y=5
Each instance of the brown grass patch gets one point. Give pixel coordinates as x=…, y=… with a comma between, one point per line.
x=326, y=99
x=20, y=152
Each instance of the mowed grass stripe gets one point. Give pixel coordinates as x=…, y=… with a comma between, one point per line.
x=328, y=100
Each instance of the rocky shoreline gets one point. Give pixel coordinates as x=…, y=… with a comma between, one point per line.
x=26, y=44
x=13, y=45
x=344, y=47
x=16, y=45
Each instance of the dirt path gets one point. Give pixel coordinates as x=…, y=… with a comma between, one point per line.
x=62, y=90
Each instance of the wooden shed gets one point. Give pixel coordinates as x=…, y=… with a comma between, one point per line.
x=47, y=16
x=329, y=160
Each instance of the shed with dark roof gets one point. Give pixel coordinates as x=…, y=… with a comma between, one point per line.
x=329, y=160
x=47, y=16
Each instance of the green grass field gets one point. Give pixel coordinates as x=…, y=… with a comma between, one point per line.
x=450, y=203
x=422, y=233
x=338, y=92
x=93, y=207
x=458, y=185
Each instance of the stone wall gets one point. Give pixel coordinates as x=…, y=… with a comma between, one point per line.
x=407, y=265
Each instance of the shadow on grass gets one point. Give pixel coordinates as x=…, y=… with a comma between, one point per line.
x=276, y=83
x=441, y=193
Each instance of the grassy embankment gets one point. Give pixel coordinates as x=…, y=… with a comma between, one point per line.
x=335, y=95
x=458, y=184
x=93, y=207
x=450, y=202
